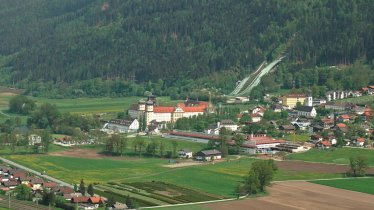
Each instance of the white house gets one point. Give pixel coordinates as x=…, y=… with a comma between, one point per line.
x=256, y=117
x=185, y=153
x=306, y=111
x=122, y=125
x=209, y=155
x=34, y=139
x=228, y=124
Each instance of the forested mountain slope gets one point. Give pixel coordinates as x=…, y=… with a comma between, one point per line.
x=65, y=41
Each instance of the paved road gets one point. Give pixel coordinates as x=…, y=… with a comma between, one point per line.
x=36, y=172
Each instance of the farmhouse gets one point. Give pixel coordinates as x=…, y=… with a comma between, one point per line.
x=185, y=153
x=209, y=155
x=287, y=128
x=122, y=125
x=323, y=144
x=228, y=124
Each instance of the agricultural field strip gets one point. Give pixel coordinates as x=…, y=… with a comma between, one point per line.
x=134, y=195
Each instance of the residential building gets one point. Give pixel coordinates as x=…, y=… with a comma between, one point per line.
x=208, y=155
x=185, y=153
x=228, y=124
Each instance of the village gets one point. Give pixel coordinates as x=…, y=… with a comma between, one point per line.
x=291, y=123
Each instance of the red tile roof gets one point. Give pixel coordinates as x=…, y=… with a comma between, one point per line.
x=95, y=200
x=49, y=184
x=163, y=109
x=371, y=86
x=326, y=143
x=341, y=125
x=360, y=139
x=345, y=116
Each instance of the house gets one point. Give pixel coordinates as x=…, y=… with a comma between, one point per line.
x=11, y=184
x=36, y=183
x=327, y=123
x=122, y=125
x=323, y=144
x=120, y=206
x=212, y=129
x=359, y=110
x=259, y=110
x=241, y=99
x=256, y=117
x=49, y=185
x=301, y=124
x=82, y=199
x=306, y=111
x=228, y=124
x=34, y=139
x=63, y=190
x=277, y=107
x=69, y=196
x=96, y=201
x=342, y=127
x=316, y=138
x=359, y=142
x=185, y=153
x=208, y=155
x=335, y=95
x=318, y=102
x=287, y=128
x=291, y=100
x=344, y=118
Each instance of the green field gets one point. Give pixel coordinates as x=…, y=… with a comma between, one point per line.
x=338, y=155
x=86, y=105
x=365, y=185
x=297, y=137
x=22, y=150
x=360, y=100
x=220, y=178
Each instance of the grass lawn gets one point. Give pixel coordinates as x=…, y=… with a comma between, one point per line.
x=360, y=100
x=297, y=137
x=338, y=156
x=365, y=185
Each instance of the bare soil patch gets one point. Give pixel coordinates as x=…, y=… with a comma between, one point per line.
x=301, y=195
x=315, y=167
x=78, y=152
x=184, y=164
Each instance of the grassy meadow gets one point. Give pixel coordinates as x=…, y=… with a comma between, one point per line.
x=220, y=178
x=337, y=156
x=364, y=185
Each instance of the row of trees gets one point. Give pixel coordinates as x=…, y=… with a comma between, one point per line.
x=118, y=144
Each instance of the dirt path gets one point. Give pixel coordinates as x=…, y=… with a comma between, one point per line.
x=301, y=195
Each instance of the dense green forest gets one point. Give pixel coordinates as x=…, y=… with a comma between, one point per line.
x=64, y=48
